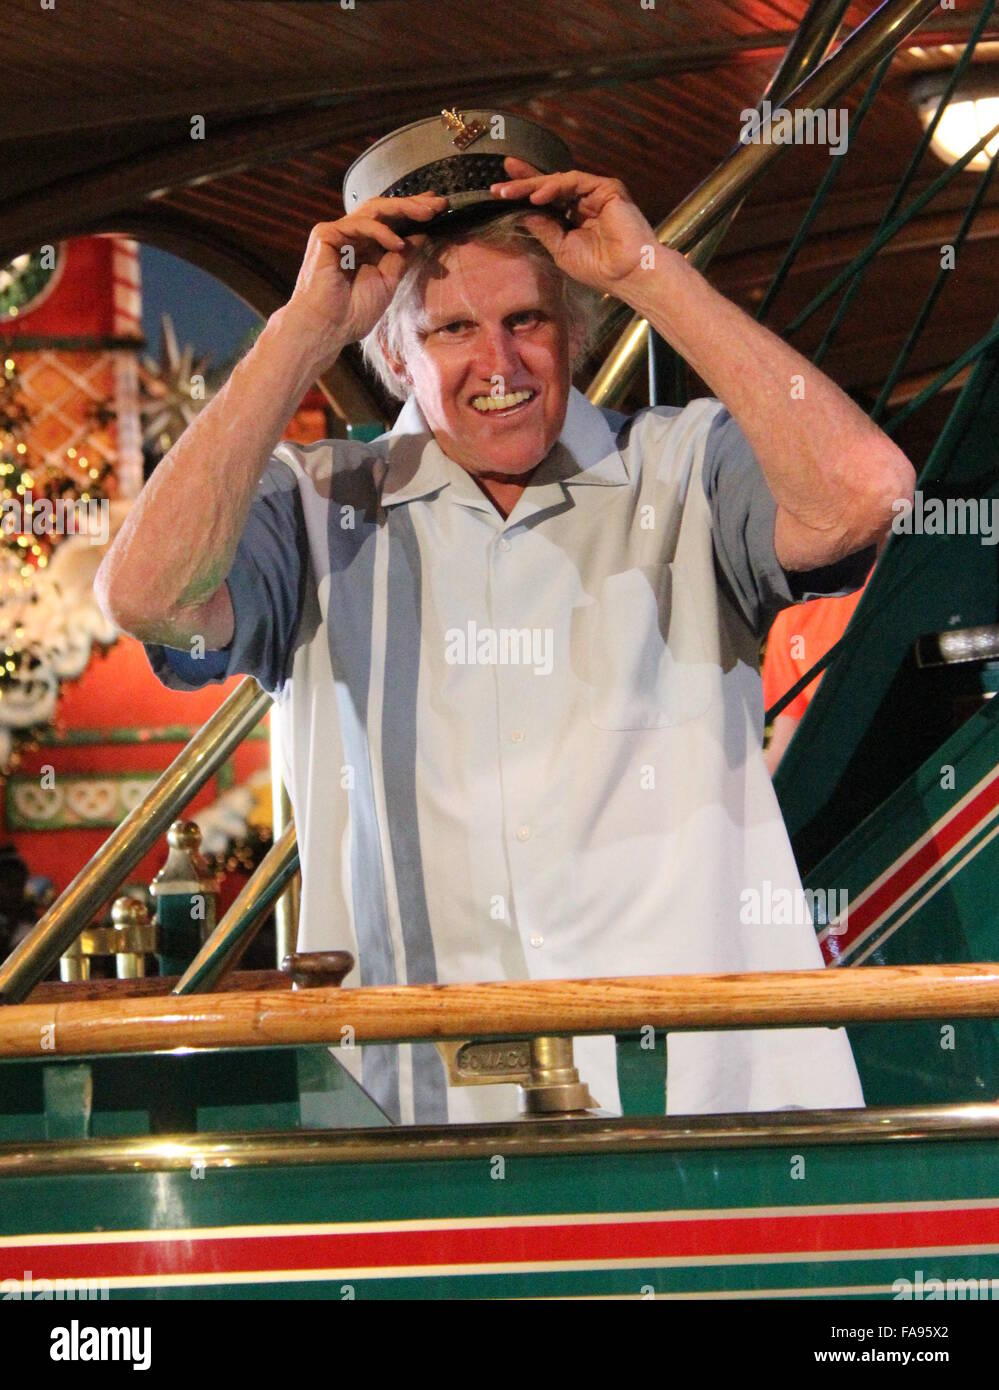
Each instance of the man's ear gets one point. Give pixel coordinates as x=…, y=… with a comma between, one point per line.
x=397, y=365
x=577, y=335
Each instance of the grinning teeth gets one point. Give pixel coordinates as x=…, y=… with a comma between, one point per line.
x=484, y=403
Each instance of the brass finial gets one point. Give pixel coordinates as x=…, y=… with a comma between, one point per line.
x=129, y=912
x=134, y=937
x=185, y=834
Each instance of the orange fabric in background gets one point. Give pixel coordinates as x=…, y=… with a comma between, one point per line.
x=798, y=638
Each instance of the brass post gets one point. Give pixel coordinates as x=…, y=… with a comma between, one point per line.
x=815, y=36
x=287, y=907
x=74, y=966
x=237, y=929
x=185, y=894
x=131, y=925
x=542, y=1067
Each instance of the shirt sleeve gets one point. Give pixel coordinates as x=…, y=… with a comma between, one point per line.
x=743, y=514
x=266, y=586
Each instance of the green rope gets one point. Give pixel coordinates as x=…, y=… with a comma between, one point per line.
x=928, y=392
x=890, y=231
x=861, y=620
x=907, y=177
x=822, y=193
x=881, y=403
x=779, y=706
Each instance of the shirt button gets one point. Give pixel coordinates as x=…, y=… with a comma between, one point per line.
x=523, y=832
x=504, y=544
x=517, y=736
x=537, y=940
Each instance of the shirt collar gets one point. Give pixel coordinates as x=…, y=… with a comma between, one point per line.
x=585, y=452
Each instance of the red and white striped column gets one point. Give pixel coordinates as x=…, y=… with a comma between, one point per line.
x=127, y=304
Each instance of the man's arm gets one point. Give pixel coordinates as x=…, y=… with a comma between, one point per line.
x=833, y=473
x=784, y=730
x=163, y=579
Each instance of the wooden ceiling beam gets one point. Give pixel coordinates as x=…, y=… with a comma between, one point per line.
x=825, y=253
x=561, y=71
x=556, y=73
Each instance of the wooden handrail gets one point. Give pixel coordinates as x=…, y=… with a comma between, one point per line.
x=510, y=1008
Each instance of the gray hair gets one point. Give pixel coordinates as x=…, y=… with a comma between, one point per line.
x=580, y=303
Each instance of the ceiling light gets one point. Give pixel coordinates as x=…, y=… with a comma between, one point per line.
x=971, y=112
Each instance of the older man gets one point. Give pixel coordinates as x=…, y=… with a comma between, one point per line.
x=514, y=642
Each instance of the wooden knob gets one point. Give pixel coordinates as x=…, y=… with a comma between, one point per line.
x=315, y=969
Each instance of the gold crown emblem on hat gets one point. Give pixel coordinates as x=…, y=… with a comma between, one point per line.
x=463, y=134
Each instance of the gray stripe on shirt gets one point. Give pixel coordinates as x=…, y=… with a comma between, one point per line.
x=349, y=629
x=399, y=753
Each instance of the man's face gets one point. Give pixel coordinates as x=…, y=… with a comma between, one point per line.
x=493, y=327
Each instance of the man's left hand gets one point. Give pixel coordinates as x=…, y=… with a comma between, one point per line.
x=610, y=238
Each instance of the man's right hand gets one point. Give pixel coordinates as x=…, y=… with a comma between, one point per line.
x=339, y=297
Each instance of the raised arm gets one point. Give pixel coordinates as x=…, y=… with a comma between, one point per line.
x=163, y=579
x=833, y=473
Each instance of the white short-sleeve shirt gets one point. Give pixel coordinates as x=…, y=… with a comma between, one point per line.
x=531, y=748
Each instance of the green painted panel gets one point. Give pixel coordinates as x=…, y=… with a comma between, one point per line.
x=641, y=1073
x=951, y=916
x=876, y=717
x=717, y=1189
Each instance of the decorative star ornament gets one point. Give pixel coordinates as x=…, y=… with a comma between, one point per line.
x=175, y=390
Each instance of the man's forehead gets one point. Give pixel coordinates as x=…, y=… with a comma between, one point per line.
x=480, y=278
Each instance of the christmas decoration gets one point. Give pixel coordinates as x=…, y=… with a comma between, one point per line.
x=49, y=618
x=49, y=622
x=236, y=829
x=175, y=389
x=26, y=279
x=43, y=499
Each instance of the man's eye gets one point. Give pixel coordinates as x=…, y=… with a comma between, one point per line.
x=453, y=329
x=527, y=318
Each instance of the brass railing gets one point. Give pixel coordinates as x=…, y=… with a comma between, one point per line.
x=222, y=1153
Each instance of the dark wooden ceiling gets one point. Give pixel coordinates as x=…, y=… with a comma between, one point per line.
x=99, y=96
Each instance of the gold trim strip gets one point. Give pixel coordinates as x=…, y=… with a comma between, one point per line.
x=527, y=1138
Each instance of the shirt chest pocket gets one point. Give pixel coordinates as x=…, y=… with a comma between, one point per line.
x=648, y=664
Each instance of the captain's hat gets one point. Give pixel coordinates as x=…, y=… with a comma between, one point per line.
x=458, y=153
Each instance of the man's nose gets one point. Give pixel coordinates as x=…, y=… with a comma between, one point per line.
x=497, y=354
